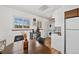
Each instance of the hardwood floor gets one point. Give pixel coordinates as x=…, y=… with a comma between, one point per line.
x=35, y=48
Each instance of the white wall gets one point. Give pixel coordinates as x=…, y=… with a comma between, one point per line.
x=58, y=43
x=6, y=23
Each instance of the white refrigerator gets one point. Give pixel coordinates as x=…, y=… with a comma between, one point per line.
x=72, y=35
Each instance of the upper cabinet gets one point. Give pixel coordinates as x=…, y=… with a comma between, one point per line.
x=72, y=13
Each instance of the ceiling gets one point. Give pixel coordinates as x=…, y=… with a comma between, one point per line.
x=45, y=11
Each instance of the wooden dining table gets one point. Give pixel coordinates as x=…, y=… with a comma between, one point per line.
x=34, y=48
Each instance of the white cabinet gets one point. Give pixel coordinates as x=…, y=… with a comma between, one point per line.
x=56, y=42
